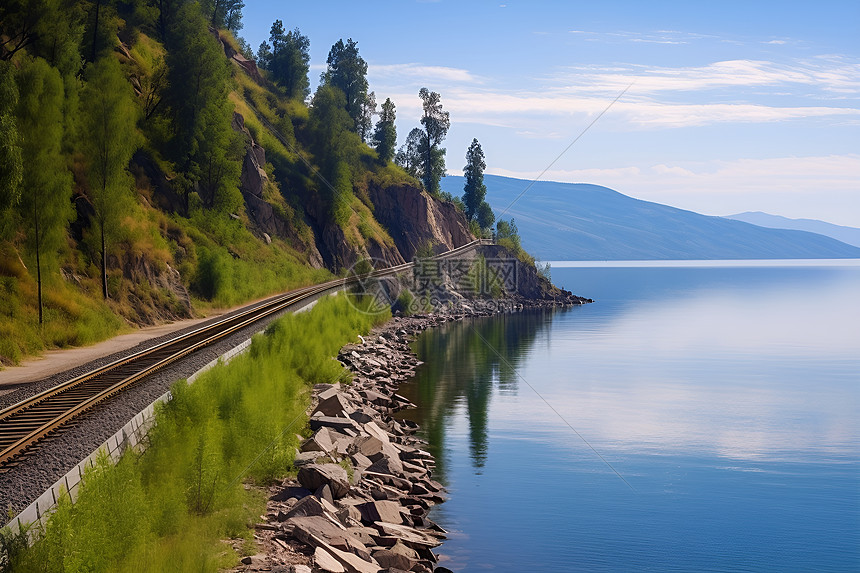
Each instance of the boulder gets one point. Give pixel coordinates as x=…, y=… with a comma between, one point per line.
x=325, y=561
x=314, y=476
x=318, y=530
x=409, y=535
x=336, y=405
x=306, y=506
x=387, y=558
x=387, y=511
x=335, y=423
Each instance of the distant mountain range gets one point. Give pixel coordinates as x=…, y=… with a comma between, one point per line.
x=849, y=235
x=577, y=221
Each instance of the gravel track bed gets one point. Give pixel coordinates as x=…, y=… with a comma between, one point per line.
x=57, y=455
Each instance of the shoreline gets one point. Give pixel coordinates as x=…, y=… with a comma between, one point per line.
x=371, y=517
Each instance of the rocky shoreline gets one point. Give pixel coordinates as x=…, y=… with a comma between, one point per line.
x=364, y=486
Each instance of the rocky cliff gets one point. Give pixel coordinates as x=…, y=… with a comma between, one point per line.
x=414, y=218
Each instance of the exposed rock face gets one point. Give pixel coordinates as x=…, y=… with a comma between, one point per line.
x=252, y=183
x=413, y=218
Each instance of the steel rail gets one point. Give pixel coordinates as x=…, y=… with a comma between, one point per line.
x=26, y=423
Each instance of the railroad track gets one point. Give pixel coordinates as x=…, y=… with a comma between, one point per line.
x=25, y=424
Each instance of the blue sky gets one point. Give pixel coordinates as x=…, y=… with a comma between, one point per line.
x=734, y=106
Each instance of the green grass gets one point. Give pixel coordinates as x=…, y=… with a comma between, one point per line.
x=171, y=508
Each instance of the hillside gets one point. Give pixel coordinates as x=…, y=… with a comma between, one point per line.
x=151, y=170
x=566, y=221
x=847, y=235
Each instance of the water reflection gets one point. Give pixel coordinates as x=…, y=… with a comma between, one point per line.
x=462, y=370
x=727, y=397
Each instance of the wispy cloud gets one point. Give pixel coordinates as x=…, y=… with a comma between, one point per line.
x=831, y=73
x=421, y=72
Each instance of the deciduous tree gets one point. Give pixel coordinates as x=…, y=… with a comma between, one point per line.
x=436, y=123
x=204, y=146
x=45, y=206
x=11, y=167
x=110, y=140
x=409, y=155
x=365, y=117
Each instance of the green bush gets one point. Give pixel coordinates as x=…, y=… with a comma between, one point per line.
x=170, y=508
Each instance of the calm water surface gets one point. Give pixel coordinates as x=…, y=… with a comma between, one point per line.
x=726, y=399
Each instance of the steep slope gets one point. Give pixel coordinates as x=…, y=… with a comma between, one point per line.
x=565, y=221
x=848, y=235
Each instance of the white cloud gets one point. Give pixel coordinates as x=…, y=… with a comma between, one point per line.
x=421, y=72
x=831, y=74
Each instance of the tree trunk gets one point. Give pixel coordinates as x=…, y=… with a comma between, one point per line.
x=38, y=259
x=104, y=264
x=96, y=32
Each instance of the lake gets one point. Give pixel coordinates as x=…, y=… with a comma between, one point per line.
x=696, y=417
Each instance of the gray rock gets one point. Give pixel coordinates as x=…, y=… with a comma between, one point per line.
x=314, y=476
x=304, y=507
x=338, y=424
x=375, y=511
x=389, y=559
x=336, y=405
x=325, y=561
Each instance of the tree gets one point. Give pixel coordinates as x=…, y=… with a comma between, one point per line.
x=287, y=58
x=474, y=189
x=365, y=117
x=486, y=217
x=409, y=155
x=347, y=71
x=225, y=14
x=385, y=135
x=45, y=205
x=336, y=148
x=507, y=234
x=204, y=147
x=436, y=123
x=11, y=166
x=109, y=124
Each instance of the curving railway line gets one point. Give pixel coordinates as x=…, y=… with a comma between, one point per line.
x=25, y=424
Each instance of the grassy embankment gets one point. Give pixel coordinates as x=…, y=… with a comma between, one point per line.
x=182, y=505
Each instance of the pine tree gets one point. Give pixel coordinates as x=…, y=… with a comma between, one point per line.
x=109, y=124
x=347, y=71
x=385, y=135
x=474, y=189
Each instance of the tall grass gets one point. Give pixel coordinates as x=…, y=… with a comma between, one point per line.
x=170, y=508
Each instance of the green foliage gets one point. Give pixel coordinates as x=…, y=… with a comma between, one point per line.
x=224, y=13
x=347, y=71
x=11, y=162
x=206, y=150
x=409, y=155
x=474, y=190
x=485, y=217
x=385, y=136
x=287, y=59
x=436, y=124
x=169, y=509
x=111, y=139
x=45, y=206
x=507, y=235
